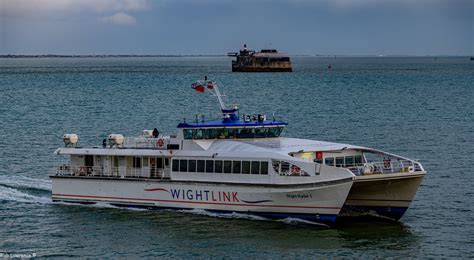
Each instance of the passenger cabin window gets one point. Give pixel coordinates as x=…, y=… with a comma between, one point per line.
x=329, y=161
x=183, y=165
x=218, y=166
x=200, y=165
x=349, y=161
x=255, y=167
x=339, y=161
x=192, y=166
x=264, y=168
x=236, y=167
x=227, y=166
x=209, y=166
x=137, y=162
x=358, y=160
x=221, y=166
x=245, y=167
x=175, y=166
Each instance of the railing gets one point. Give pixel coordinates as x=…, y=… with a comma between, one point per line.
x=146, y=142
x=385, y=167
x=113, y=172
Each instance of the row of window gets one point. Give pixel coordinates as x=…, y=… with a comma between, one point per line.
x=347, y=161
x=232, y=133
x=220, y=166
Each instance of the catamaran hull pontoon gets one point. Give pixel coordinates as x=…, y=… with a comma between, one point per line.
x=385, y=196
x=314, y=202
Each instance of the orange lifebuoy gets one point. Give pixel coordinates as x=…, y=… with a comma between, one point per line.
x=160, y=142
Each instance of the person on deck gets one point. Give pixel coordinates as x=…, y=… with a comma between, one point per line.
x=155, y=133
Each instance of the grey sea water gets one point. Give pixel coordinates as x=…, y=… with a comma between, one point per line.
x=416, y=107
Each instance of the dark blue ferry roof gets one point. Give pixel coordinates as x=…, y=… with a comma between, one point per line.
x=232, y=123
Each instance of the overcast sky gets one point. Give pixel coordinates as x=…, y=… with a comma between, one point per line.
x=344, y=27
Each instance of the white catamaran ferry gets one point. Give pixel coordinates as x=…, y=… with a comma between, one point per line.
x=237, y=164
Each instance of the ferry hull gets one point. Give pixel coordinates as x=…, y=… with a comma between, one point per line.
x=383, y=195
x=309, y=202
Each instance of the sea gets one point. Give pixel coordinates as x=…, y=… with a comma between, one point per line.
x=417, y=107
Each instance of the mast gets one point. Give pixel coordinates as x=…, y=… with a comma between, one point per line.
x=211, y=86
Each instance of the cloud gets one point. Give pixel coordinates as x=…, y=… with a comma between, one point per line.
x=120, y=18
x=28, y=6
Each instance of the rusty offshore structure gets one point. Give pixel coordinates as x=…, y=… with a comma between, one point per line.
x=267, y=60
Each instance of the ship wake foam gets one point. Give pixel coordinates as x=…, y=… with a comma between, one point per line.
x=222, y=215
x=15, y=195
x=23, y=182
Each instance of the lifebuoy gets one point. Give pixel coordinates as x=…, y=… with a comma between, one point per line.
x=82, y=171
x=160, y=142
x=295, y=170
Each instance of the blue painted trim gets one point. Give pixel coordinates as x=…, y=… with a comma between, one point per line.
x=394, y=213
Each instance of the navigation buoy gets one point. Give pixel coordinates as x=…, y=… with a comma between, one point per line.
x=329, y=66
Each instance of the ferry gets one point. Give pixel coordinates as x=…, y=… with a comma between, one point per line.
x=238, y=163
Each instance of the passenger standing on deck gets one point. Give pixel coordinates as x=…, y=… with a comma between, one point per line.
x=155, y=133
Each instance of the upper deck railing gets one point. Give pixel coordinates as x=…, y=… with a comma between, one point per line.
x=386, y=167
x=146, y=142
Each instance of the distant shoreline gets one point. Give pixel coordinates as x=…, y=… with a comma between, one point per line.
x=14, y=56
x=100, y=56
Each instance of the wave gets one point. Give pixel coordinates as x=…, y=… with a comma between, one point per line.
x=24, y=182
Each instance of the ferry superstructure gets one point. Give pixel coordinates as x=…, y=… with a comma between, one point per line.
x=237, y=164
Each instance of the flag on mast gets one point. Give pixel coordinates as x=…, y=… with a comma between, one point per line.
x=199, y=88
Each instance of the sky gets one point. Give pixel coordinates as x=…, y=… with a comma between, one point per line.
x=297, y=27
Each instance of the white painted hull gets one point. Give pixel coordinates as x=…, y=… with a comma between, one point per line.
x=320, y=203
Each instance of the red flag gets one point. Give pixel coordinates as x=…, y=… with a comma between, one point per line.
x=199, y=88
x=210, y=85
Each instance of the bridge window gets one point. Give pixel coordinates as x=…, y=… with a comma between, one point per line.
x=227, y=166
x=188, y=133
x=245, y=133
x=200, y=166
x=236, y=167
x=274, y=131
x=261, y=132
x=218, y=166
x=198, y=134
